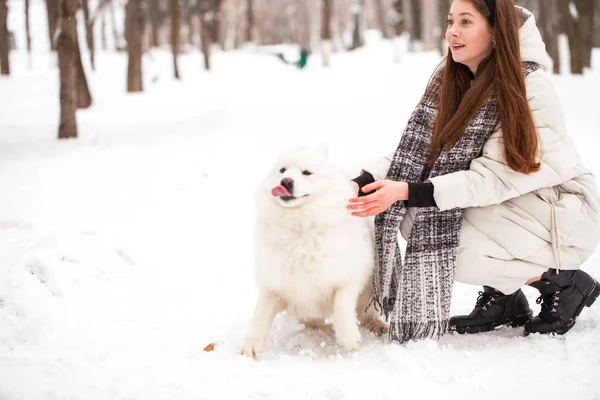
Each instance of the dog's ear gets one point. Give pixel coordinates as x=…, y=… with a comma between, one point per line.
x=323, y=148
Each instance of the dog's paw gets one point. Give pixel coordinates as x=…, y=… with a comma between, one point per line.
x=251, y=348
x=349, y=340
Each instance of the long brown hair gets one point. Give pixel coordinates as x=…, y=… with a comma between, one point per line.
x=501, y=73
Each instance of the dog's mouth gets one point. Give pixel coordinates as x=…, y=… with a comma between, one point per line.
x=283, y=193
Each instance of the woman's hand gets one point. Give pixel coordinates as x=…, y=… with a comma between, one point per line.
x=387, y=193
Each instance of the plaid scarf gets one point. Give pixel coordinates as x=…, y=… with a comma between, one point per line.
x=415, y=296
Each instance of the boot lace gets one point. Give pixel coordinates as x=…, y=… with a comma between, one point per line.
x=484, y=300
x=549, y=305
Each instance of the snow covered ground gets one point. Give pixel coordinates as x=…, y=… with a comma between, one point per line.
x=125, y=252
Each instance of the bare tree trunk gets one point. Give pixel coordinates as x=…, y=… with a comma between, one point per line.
x=549, y=23
x=231, y=20
x=305, y=25
x=596, y=30
x=357, y=31
x=187, y=13
x=67, y=53
x=205, y=35
x=570, y=27
x=84, y=97
x=53, y=9
x=430, y=24
x=154, y=14
x=27, y=27
x=398, y=17
x=416, y=32
x=250, y=28
x=207, y=11
x=326, y=31
x=216, y=19
x=240, y=33
x=175, y=23
x=585, y=10
x=103, y=40
x=134, y=26
x=4, y=43
x=113, y=21
x=337, y=27
x=443, y=10
x=382, y=12
x=89, y=30
x=398, y=20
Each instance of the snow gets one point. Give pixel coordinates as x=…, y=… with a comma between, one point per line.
x=125, y=252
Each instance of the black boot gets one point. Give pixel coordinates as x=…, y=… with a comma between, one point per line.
x=493, y=309
x=563, y=296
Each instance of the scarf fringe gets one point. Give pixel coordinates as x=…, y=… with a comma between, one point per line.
x=405, y=331
x=385, y=307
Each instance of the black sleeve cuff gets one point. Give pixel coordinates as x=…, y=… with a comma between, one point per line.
x=420, y=195
x=363, y=180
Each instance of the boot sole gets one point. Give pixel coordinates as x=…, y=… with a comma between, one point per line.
x=514, y=322
x=586, y=302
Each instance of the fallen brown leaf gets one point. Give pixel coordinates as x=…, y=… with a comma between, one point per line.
x=210, y=347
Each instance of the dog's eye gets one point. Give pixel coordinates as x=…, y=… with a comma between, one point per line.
x=282, y=170
x=306, y=172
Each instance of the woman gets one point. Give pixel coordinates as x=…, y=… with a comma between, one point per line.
x=487, y=188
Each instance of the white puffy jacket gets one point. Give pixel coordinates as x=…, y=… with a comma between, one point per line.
x=550, y=218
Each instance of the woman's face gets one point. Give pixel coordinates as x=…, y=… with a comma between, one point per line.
x=469, y=34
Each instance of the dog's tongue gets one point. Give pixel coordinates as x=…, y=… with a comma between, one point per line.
x=280, y=191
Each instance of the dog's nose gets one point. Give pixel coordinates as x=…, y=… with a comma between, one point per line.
x=287, y=183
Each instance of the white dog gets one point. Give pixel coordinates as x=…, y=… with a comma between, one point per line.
x=313, y=258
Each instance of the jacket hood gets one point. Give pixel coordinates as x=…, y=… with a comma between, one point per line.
x=532, y=46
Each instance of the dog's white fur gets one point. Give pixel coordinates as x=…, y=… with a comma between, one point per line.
x=313, y=258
